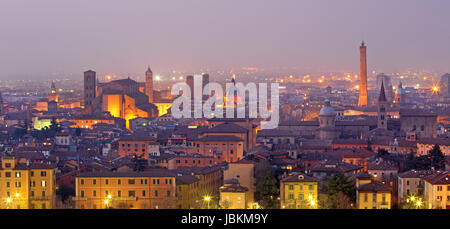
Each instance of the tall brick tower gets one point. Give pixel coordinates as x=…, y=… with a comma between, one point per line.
x=362, y=102
x=90, y=90
x=149, y=85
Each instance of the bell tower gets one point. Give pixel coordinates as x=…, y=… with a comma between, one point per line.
x=149, y=85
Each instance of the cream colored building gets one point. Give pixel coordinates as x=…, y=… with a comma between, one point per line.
x=234, y=196
x=411, y=183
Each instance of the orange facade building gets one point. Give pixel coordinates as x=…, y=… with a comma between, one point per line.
x=26, y=186
x=138, y=143
x=153, y=189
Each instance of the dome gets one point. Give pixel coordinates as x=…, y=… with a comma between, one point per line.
x=327, y=110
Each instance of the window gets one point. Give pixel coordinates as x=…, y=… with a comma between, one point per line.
x=94, y=193
x=366, y=197
x=119, y=193
x=82, y=193
x=43, y=173
x=130, y=181
x=374, y=197
x=156, y=192
x=168, y=181
x=291, y=196
x=94, y=181
x=7, y=174
x=155, y=181
x=311, y=187
x=32, y=193
x=143, y=181
x=301, y=196
x=119, y=181
x=131, y=193
x=82, y=181
x=17, y=174
x=8, y=165
x=291, y=187
x=8, y=184
x=106, y=181
x=32, y=173
x=168, y=193
x=43, y=183
x=143, y=192
x=18, y=184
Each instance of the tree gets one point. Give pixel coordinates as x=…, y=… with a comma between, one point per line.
x=437, y=158
x=65, y=192
x=341, y=192
x=267, y=191
x=410, y=162
x=383, y=153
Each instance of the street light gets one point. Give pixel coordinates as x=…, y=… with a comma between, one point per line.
x=207, y=199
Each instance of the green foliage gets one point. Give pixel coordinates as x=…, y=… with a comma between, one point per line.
x=267, y=191
x=65, y=192
x=341, y=192
x=437, y=158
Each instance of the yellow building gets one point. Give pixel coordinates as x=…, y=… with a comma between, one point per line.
x=372, y=195
x=26, y=186
x=437, y=191
x=234, y=196
x=187, y=193
x=244, y=172
x=298, y=191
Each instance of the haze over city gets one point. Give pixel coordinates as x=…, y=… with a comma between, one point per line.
x=49, y=38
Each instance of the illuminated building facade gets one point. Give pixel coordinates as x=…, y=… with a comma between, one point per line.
x=26, y=186
x=298, y=191
x=152, y=189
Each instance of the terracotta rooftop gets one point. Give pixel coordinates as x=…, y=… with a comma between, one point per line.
x=375, y=186
x=299, y=177
x=442, y=178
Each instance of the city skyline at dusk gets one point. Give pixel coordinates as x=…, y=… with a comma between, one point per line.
x=54, y=39
x=225, y=106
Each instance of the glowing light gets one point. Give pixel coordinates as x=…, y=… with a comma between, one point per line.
x=109, y=196
x=8, y=200
x=419, y=203
x=435, y=89
x=207, y=198
x=106, y=201
x=17, y=194
x=157, y=78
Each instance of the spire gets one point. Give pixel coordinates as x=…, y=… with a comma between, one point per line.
x=53, y=87
x=362, y=44
x=149, y=70
x=382, y=97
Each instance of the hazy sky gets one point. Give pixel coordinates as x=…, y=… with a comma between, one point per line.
x=38, y=37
